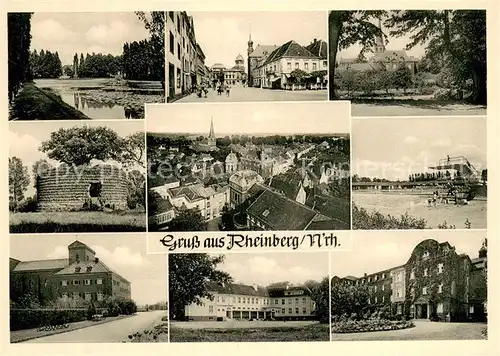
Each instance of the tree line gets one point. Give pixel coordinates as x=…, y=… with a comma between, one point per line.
x=141, y=61
x=45, y=64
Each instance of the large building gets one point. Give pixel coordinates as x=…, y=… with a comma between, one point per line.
x=185, y=60
x=247, y=302
x=80, y=276
x=234, y=75
x=272, y=66
x=435, y=281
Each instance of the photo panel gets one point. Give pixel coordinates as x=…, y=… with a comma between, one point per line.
x=411, y=286
x=237, y=167
x=409, y=62
x=249, y=297
x=85, y=65
x=90, y=288
x=419, y=173
x=256, y=62
x=74, y=176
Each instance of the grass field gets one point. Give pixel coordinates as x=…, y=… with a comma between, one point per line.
x=33, y=103
x=82, y=221
x=317, y=332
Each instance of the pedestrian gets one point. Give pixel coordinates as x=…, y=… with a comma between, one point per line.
x=228, y=90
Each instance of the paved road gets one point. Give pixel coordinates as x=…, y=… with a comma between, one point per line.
x=423, y=330
x=236, y=324
x=242, y=94
x=411, y=110
x=114, y=331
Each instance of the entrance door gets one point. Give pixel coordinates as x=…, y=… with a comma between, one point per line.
x=424, y=311
x=171, y=80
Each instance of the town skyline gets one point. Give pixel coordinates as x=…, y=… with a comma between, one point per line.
x=272, y=118
x=236, y=27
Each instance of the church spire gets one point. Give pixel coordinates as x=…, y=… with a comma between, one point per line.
x=379, y=39
x=250, y=42
x=212, y=133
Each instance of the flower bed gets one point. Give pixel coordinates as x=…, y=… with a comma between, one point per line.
x=352, y=326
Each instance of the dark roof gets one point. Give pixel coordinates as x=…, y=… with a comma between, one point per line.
x=41, y=265
x=97, y=266
x=189, y=193
x=280, y=213
x=262, y=50
x=288, y=184
x=319, y=48
x=234, y=288
x=78, y=244
x=164, y=205
x=282, y=291
x=289, y=49
x=335, y=208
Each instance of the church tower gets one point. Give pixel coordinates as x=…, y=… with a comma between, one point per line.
x=249, y=52
x=379, y=40
x=211, y=135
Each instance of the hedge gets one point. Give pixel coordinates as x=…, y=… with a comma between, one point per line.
x=33, y=318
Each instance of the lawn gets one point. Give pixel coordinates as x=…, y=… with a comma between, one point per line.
x=33, y=103
x=28, y=334
x=82, y=221
x=317, y=332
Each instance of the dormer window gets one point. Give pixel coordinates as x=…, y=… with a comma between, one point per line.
x=78, y=269
x=89, y=268
x=425, y=255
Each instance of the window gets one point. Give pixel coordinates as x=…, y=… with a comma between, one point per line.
x=178, y=24
x=290, y=301
x=210, y=309
x=76, y=282
x=376, y=277
x=276, y=301
x=303, y=300
x=439, y=308
x=296, y=310
x=315, y=66
x=99, y=281
x=376, y=300
x=89, y=269
x=282, y=310
x=383, y=275
x=375, y=289
x=64, y=283
x=426, y=272
x=178, y=51
x=289, y=65
x=304, y=310
x=78, y=269
x=239, y=299
x=325, y=64
x=424, y=291
x=296, y=65
x=76, y=295
x=383, y=287
x=87, y=282
x=253, y=301
x=440, y=267
x=383, y=299
x=440, y=288
x=282, y=301
x=290, y=310
x=65, y=295
x=412, y=274
x=296, y=300
x=306, y=66
x=398, y=293
x=88, y=297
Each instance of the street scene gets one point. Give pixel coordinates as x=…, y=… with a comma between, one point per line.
x=249, y=297
x=420, y=173
x=411, y=287
x=409, y=62
x=273, y=171
x=85, y=65
x=66, y=176
x=254, y=63
x=68, y=288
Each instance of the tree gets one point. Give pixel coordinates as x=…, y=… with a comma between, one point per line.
x=321, y=295
x=18, y=179
x=133, y=149
x=402, y=78
x=297, y=76
x=348, y=299
x=188, y=220
x=227, y=220
x=454, y=38
x=81, y=145
x=136, y=189
x=347, y=28
x=19, y=41
x=189, y=278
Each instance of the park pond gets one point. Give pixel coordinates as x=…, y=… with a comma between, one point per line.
x=417, y=206
x=106, y=98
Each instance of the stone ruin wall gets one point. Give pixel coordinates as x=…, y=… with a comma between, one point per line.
x=66, y=190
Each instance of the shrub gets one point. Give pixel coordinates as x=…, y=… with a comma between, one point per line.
x=28, y=205
x=33, y=318
x=369, y=325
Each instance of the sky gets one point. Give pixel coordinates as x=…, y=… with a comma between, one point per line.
x=250, y=118
x=124, y=253
x=224, y=35
x=392, y=44
x=379, y=250
x=393, y=148
x=26, y=137
x=266, y=268
x=85, y=32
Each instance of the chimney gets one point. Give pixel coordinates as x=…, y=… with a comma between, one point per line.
x=365, y=275
x=315, y=40
x=254, y=286
x=96, y=260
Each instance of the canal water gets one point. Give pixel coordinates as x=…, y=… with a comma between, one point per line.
x=68, y=90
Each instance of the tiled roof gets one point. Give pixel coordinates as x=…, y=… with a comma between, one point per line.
x=41, y=265
x=288, y=184
x=318, y=48
x=263, y=50
x=96, y=267
x=281, y=213
x=281, y=292
x=238, y=289
x=335, y=208
x=185, y=191
x=289, y=49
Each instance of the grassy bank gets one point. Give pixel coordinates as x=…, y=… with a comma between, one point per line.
x=318, y=332
x=33, y=103
x=92, y=221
